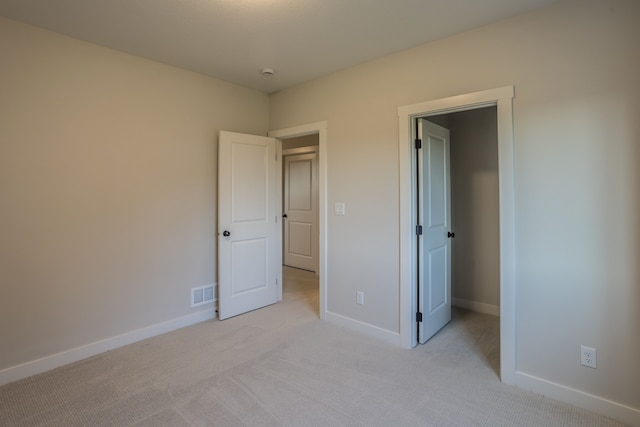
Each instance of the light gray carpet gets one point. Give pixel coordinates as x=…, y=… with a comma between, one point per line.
x=281, y=366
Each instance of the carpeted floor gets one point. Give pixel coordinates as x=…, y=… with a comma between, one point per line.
x=281, y=366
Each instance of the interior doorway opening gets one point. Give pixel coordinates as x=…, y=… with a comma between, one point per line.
x=319, y=132
x=300, y=204
x=501, y=98
x=475, y=210
x=300, y=218
x=473, y=267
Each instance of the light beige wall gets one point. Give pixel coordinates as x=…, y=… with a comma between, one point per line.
x=107, y=189
x=575, y=68
x=475, y=206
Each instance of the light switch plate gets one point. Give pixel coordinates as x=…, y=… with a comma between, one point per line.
x=339, y=209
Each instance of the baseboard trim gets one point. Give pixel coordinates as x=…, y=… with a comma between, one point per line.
x=608, y=408
x=363, y=328
x=480, y=307
x=38, y=366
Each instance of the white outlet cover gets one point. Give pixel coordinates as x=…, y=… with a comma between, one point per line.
x=340, y=209
x=588, y=357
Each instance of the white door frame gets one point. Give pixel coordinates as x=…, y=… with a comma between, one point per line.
x=319, y=128
x=502, y=98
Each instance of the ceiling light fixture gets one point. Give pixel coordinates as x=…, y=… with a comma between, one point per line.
x=267, y=72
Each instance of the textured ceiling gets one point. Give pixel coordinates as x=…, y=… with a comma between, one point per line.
x=233, y=39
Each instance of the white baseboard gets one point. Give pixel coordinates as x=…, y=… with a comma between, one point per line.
x=53, y=361
x=599, y=405
x=363, y=328
x=480, y=307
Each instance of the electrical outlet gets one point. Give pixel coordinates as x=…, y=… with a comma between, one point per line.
x=360, y=297
x=588, y=356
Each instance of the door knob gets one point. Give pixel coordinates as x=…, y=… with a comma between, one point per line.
x=285, y=216
x=451, y=235
x=225, y=233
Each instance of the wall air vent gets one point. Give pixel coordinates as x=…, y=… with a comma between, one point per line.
x=202, y=295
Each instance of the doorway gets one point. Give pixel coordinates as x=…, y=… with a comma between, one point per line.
x=475, y=208
x=467, y=276
x=300, y=214
x=318, y=129
x=501, y=98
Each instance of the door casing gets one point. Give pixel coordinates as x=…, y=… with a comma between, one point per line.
x=502, y=98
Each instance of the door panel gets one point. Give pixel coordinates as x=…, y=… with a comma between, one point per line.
x=248, y=279
x=437, y=279
x=436, y=181
x=434, y=213
x=301, y=209
x=249, y=183
x=299, y=181
x=300, y=239
x=248, y=258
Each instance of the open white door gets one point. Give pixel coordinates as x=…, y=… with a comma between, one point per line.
x=248, y=259
x=434, y=218
x=301, y=211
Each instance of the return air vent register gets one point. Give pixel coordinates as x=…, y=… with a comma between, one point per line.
x=202, y=295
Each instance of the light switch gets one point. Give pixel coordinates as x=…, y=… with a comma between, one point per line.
x=340, y=209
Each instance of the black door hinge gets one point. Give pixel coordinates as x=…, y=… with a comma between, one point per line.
x=418, y=317
x=418, y=144
x=419, y=230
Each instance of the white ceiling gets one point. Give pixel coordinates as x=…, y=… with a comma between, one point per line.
x=233, y=39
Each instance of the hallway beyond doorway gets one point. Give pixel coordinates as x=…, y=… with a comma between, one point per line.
x=301, y=285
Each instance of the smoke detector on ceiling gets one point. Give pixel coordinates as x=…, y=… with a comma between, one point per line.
x=267, y=72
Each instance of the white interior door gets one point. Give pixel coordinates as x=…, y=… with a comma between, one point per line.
x=248, y=255
x=301, y=211
x=434, y=216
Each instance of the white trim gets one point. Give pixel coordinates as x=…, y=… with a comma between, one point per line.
x=53, y=361
x=321, y=129
x=279, y=243
x=597, y=404
x=503, y=99
x=479, y=307
x=364, y=328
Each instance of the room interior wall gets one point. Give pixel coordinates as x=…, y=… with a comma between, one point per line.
x=574, y=66
x=107, y=189
x=106, y=181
